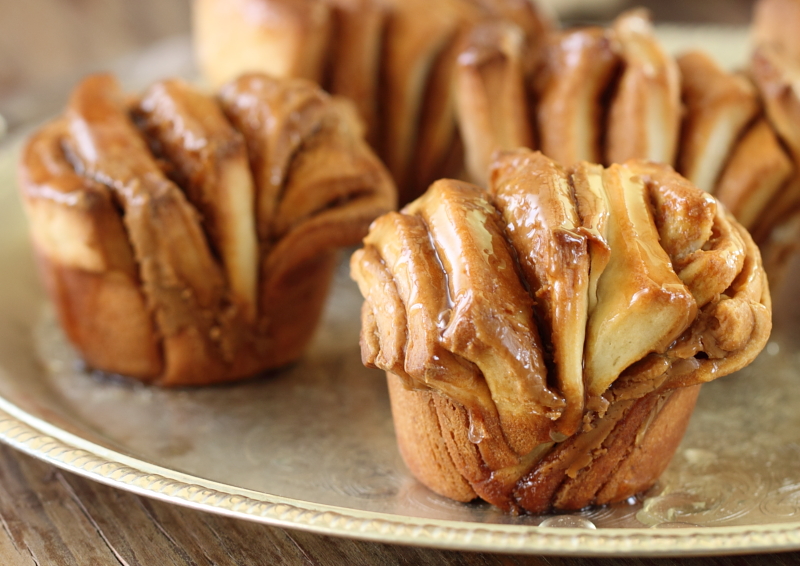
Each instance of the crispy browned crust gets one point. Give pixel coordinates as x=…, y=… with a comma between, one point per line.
x=649, y=457
x=104, y=316
x=422, y=443
x=628, y=459
x=219, y=270
x=554, y=257
x=86, y=261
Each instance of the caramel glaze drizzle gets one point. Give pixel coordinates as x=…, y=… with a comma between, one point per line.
x=490, y=298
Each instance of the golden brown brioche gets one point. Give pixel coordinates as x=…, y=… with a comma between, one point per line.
x=599, y=95
x=615, y=94
x=181, y=250
x=412, y=48
x=757, y=170
x=509, y=79
x=774, y=68
x=282, y=38
x=718, y=106
x=578, y=68
x=645, y=110
x=544, y=340
x=490, y=89
x=622, y=455
x=216, y=176
x=774, y=75
x=398, y=66
x=74, y=220
x=355, y=44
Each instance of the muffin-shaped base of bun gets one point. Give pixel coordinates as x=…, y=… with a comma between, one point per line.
x=637, y=444
x=104, y=315
x=293, y=315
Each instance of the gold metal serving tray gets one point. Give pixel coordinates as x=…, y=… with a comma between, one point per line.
x=312, y=447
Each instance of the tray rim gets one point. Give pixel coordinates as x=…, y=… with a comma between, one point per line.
x=44, y=441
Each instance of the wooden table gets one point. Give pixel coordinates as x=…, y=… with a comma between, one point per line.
x=49, y=516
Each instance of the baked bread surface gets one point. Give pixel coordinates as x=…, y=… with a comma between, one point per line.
x=545, y=340
x=187, y=239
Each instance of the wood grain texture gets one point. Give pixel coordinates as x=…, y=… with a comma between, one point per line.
x=48, y=516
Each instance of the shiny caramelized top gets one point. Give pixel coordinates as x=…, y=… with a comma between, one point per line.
x=558, y=293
